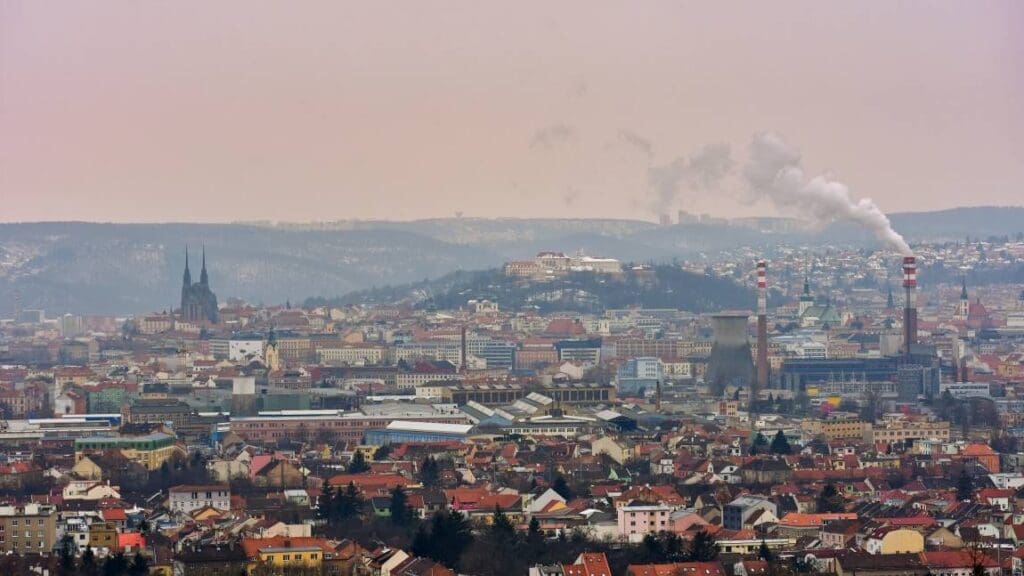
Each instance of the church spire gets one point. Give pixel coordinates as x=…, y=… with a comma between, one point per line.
x=203, y=279
x=890, y=302
x=187, y=277
x=963, y=287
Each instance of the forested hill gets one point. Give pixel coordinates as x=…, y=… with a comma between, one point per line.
x=662, y=286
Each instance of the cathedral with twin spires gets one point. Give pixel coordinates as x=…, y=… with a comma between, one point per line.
x=198, y=302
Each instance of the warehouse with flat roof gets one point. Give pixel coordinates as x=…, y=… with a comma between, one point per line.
x=402, y=431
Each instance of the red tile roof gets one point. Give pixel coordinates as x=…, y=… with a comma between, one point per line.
x=801, y=520
x=954, y=559
x=367, y=482
x=588, y=564
x=252, y=546
x=114, y=515
x=679, y=568
x=133, y=539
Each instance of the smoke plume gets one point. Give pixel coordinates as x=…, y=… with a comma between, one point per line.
x=552, y=135
x=702, y=170
x=641, y=144
x=773, y=171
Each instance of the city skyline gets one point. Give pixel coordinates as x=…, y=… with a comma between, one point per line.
x=528, y=289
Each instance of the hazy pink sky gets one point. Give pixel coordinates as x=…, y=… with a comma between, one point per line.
x=234, y=110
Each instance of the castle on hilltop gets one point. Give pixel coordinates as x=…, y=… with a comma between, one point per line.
x=198, y=302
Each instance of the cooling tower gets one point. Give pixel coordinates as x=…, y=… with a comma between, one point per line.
x=730, y=363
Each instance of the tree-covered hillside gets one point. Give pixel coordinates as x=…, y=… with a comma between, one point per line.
x=660, y=286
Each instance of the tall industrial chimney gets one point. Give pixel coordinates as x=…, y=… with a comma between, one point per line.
x=910, y=303
x=761, y=382
x=462, y=351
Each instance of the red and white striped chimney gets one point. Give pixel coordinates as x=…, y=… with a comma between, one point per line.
x=910, y=302
x=762, y=330
x=762, y=288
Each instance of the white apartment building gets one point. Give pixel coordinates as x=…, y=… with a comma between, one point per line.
x=188, y=498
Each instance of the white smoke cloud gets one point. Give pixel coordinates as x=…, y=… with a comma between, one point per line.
x=703, y=170
x=552, y=135
x=641, y=144
x=773, y=171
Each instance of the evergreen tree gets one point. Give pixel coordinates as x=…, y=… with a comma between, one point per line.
x=663, y=547
x=67, y=555
x=534, y=541
x=780, y=444
x=358, y=464
x=703, y=548
x=383, y=453
x=759, y=445
x=401, y=514
x=830, y=500
x=139, y=566
x=115, y=565
x=765, y=553
x=325, y=502
x=450, y=536
x=350, y=503
x=964, y=486
x=501, y=525
x=430, y=473
x=498, y=552
x=89, y=565
x=422, y=545
x=337, y=503
x=563, y=488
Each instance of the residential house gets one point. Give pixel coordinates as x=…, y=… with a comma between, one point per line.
x=638, y=519
x=188, y=498
x=747, y=512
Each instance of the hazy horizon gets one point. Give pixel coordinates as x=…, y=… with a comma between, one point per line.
x=271, y=221
x=120, y=111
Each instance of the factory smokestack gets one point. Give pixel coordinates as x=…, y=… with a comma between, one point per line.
x=762, y=332
x=462, y=351
x=910, y=303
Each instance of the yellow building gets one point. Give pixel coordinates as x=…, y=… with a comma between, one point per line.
x=103, y=535
x=900, y=430
x=150, y=450
x=836, y=429
x=266, y=555
x=272, y=356
x=86, y=469
x=892, y=540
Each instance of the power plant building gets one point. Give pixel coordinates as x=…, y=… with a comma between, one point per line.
x=637, y=376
